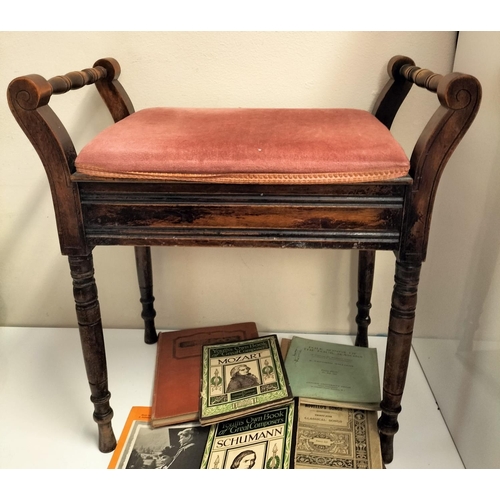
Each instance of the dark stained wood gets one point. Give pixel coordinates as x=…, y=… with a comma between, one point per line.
x=460, y=96
x=111, y=90
x=395, y=91
x=366, y=269
x=336, y=216
x=76, y=79
x=94, y=354
x=393, y=215
x=402, y=318
x=145, y=276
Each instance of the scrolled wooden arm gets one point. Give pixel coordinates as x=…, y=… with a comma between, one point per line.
x=460, y=97
x=33, y=91
x=28, y=98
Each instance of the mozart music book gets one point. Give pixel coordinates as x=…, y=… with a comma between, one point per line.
x=346, y=374
x=331, y=437
x=140, y=446
x=240, y=378
x=176, y=390
x=262, y=440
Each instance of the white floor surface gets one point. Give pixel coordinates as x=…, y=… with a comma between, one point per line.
x=46, y=421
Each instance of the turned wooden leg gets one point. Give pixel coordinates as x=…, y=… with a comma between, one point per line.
x=145, y=275
x=404, y=302
x=366, y=266
x=91, y=335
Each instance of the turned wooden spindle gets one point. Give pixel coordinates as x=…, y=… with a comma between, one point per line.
x=423, y=78
x=92, y=339
x=402, y=317
x=76, y=79
x=366, y=269
x=145, y=276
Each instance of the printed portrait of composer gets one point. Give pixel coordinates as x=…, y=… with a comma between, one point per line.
x=244, y=460
x=241, y=378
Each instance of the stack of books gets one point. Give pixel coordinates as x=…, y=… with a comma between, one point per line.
x=227, y=398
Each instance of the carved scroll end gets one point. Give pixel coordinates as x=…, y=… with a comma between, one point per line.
x=29, y=92
x=458, y=91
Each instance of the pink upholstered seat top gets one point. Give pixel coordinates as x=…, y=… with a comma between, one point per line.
x=246, y=146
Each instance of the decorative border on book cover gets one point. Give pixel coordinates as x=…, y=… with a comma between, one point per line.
x=241, y=375
x=330, y=437
x=262, y=440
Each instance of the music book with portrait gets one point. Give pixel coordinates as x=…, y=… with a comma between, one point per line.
x=261, y=440
x=176, y=389
x=239, y=378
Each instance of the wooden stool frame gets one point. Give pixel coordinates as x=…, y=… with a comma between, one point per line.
x=391, y=215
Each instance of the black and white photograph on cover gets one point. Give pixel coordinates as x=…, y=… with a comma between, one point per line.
x=173, y=447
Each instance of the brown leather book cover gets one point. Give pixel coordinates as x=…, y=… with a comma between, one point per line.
x=176, y=390
x=284, y=346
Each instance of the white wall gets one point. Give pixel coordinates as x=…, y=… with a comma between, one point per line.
x=461, y=279
x=282, y=290
x=458, y=310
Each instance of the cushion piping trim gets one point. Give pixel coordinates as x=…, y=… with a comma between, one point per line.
x=254, y=178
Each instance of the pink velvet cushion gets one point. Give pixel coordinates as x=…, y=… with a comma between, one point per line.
x=246, y=145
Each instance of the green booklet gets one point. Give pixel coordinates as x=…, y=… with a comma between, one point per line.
x=335, y=372
x=239, y=378
x=262, y=440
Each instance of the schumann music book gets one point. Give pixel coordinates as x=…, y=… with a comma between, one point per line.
x=176, y=390
x=330, y=437
x=262, y=440
x=240, y=378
